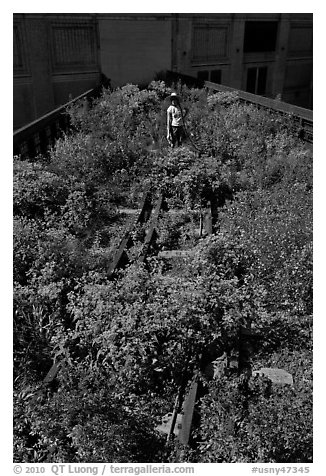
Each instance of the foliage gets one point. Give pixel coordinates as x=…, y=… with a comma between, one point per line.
x=89, y=419
x=127, y=344
x=256, y=421
x=276, y=226
x=36, y=190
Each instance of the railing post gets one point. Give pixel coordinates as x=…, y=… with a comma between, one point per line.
x=37, y=136
x=37, y=144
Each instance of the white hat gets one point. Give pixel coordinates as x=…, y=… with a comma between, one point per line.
x=174, y=95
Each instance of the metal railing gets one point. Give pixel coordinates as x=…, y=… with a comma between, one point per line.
x=303, y=117
x=37, y=136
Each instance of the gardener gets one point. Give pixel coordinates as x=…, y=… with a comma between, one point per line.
x=175, y=120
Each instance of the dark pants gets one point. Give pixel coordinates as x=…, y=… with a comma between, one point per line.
x=177, y=134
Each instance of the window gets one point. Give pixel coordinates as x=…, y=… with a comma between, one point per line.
x=298, y=75
x=256, y=80
x=213, y=76
x=202, y=75
x=74, y=45
x=216, y=76
x=300, y=41
x=19, y=59
x=260, y=36
x=209, y=43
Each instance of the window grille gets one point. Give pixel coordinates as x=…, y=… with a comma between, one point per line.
x=19, y=62
x=209, y=43
x=74, y=45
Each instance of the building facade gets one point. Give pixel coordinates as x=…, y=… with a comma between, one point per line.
x=59, y=56
x=266, y=54
x=55, y=57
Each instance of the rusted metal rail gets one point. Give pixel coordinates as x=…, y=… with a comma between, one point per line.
x=152, y=232
x=121, y=258
x=186, y=409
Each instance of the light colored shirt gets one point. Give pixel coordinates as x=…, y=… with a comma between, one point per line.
x=174, y=116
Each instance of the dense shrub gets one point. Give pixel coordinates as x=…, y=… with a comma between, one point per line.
x=127, y=344
x=36, y=190
x=276, y=226
x=256, y=421
x=89, y=419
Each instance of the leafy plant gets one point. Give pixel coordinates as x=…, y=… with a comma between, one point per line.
x=127, y=344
